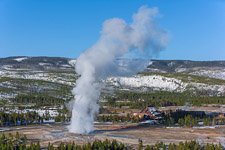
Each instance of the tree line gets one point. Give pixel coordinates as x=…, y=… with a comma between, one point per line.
x=17, y=119
x=191, y=118
x=18, y=142
x=38, y=100
x=138, y=100
x=188, y=145
x=178, y=117
x=13, y=119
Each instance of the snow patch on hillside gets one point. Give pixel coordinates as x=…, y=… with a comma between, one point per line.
x=21, y=59
x=212, y=90
x=218, y=74
x=161, y=83
x=150, y=63
x=65, y=66
x=180, y=69
x=63, y=78
x=156, y=82
x=44, y=64
x=72, y=62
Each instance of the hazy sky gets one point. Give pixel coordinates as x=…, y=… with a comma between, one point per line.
x=66, y=28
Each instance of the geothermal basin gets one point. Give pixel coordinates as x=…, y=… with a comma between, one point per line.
x=128, y=134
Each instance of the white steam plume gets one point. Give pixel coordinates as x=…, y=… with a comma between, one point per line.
x=96, y=63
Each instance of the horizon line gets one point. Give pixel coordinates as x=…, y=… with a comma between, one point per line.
x=151, y=59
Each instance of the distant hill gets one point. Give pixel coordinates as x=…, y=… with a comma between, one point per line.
x=53, y=76
x=213, y=69
x=56, y=76
x=177, y=65
x=37, y=63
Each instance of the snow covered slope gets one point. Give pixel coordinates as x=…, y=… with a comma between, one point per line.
x=41, y=75
x=154, y=82
x=212, y=69
x=59, y=70
x=212, y=73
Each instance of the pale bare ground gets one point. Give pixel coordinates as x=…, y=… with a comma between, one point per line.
x=128, y=134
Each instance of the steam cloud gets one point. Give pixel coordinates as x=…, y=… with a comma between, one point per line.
x=142, y=37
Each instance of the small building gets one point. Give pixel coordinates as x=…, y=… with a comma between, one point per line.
x=220, y=119
x=149, y=113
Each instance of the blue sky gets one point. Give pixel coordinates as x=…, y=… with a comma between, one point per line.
x=66, y=28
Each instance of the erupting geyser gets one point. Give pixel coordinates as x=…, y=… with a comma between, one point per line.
x=96, y=63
